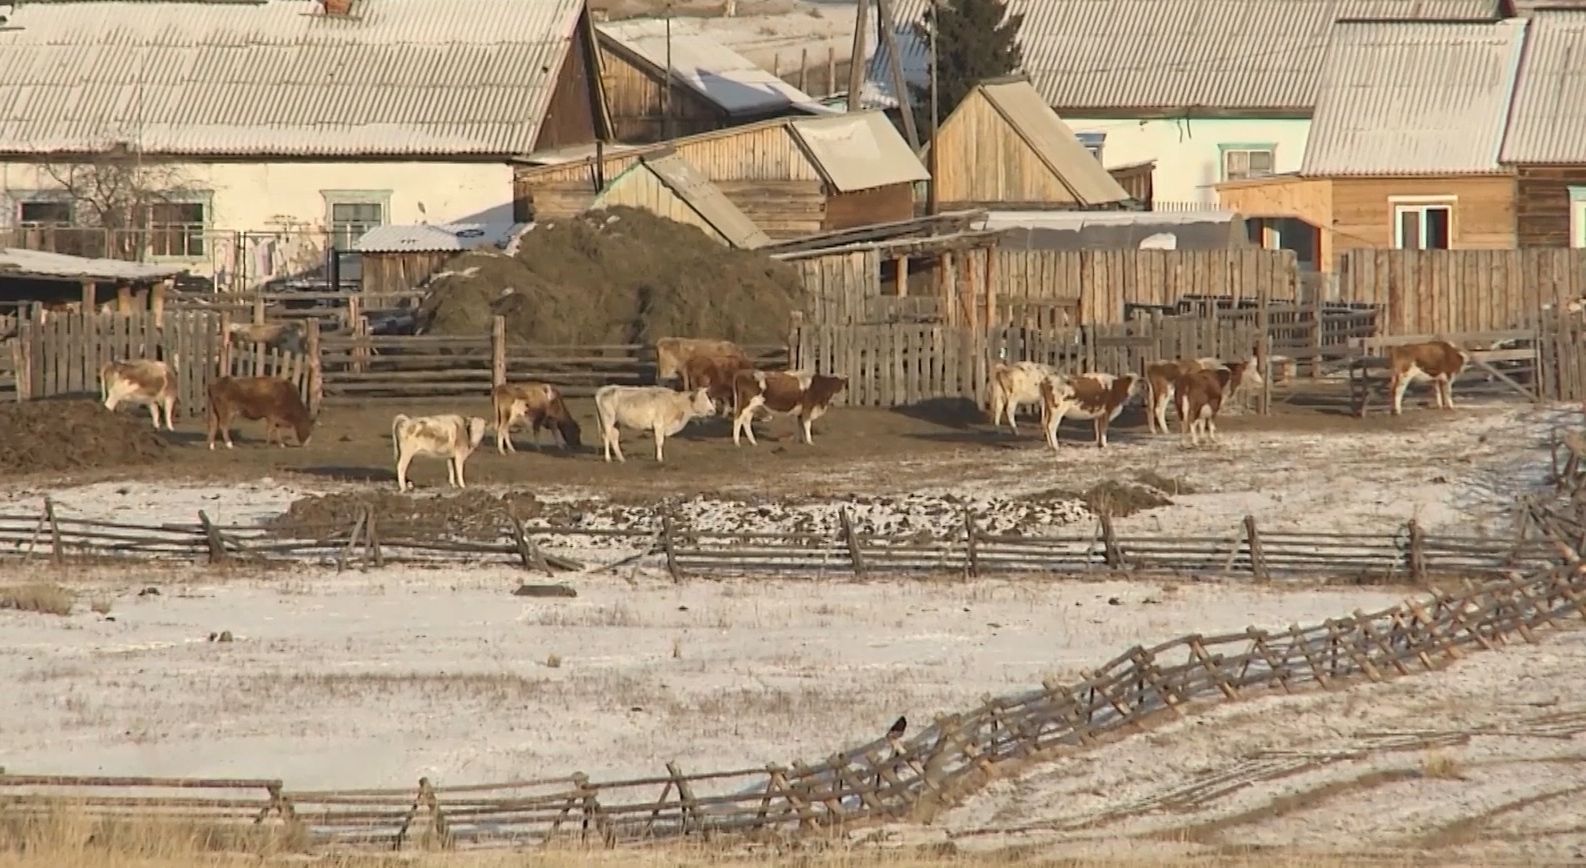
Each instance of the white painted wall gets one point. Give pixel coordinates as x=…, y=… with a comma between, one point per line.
x=1188, y=159
x=288, y=201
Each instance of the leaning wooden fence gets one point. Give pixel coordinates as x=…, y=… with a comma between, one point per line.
x=883, y=779
x=1428, y=291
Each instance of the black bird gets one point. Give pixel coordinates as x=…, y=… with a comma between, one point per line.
x=898, y=727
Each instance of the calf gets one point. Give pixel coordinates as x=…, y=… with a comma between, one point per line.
x=647, y=408
x=1099, y=397
x=806, y=396
x=1200, y=398
x=1014, y=384
x=451, y=437
x=143, y=381
x=1162, y=377
x=541, y=405
x=268, y=398
x=672, y=355
x=1439, y=361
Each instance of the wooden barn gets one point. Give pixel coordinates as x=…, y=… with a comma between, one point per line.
x=1546, y=141
x=1003, y=147
x=710, y=86
x=667, y=185
x=395, y=259
x=791, y=176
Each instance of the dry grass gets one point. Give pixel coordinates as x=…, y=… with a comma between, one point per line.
x=554, y=661
x=1441, y=766
x=100, y=605
x=46, y=597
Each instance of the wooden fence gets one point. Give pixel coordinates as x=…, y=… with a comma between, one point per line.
x=1431, y=291
x=883, y=779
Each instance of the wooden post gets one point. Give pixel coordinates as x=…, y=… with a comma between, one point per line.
x=795, y=326
x=903, y=277
x=354, y=311
x=669, y=545
x=855, y=556
x=223, y=356
x=55, y=530
x=528, y=552
x=1258, y=558
x=804, y=69
x=1110, y=542
x=258, y=348
x=360, y=353
x=1316, y=336
x=1264, y=350
x=498, y=350
x=1417, y=552
x=972, y=543
x=352, y=540
x=831, y=69
x=316, y=370
x=89, y=300
x=372, y=536
x=157, y=302
x=217, y=546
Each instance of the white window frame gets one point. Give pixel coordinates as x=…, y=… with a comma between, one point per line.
x=1398, y=205
x=1225, y=151
x=201, y=229
x=1094, y=142
x=353, y=197
x=1577, y=217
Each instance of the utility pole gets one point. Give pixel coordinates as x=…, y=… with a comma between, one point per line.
x=900, y=85
x=666, y=92
x=856, y=60
x=932, y=203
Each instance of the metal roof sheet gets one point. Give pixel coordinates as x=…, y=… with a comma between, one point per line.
x=1548, y=118
x=707, y=200
x=279, y=78
x=18, y=262
x=434, y=237
x=859, y=151
x=713, y=70
x=1051, y=140
x=1414, y=98
x=1170, y=54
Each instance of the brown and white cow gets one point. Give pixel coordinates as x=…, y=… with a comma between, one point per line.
x=657, y=409
x=142, y=381
x=672, y=355
x=1200, y=396
x=1094, y=396
x=1161, y=378
x=804, y=395
x=1438, y=361
x=450, y=436
x=269, y=398
x=716, y=375
x=1012, y=384
x=539, y=404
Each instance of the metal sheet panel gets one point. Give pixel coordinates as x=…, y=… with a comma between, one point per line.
x=713, y=70
x=1548, y=121
x=38, y=263
x=859, y=151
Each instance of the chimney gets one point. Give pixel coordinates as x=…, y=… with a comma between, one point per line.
x=337, y=7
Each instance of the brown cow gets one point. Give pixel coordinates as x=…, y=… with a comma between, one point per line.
x=1099, y=397
x=1200, y=398
x=715, y=374
x=806, y=396
x=1438, y=361
x=269, y=398
x=672, y=355
x=1160, y=378
x=541, y=405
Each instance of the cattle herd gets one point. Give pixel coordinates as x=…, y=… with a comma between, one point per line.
x=718, y=378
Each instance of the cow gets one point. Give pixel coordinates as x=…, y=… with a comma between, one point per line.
x=1012, y=384
x=142, y=381
x=672, y=355
x=1438, y=361
x=541, y=405
x=1099, y=397
x=451, y=437
x=286, y=336
x=1200, y=398
x=1161, y=378
x=647, y=408
x=800, y=393
x=716, y=375
x=269, y=398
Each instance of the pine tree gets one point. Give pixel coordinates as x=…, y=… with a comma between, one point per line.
x=976, y=40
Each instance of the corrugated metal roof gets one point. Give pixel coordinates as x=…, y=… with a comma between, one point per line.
x=859, y=151
x=780, y=42
x=17, y=262
x=1548, y=119
x=1414, y=98
x=434, y=237
x=707, y=200
x=1054, y=142
x=714, y=71
x=1171, y=54
x=278, y=78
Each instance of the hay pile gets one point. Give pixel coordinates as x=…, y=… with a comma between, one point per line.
x=75, y=435
x=614, y=276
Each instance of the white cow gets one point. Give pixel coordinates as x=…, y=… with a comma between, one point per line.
x=142, y=381
x=647, y=408
x=450, y=436
x=1013, y=384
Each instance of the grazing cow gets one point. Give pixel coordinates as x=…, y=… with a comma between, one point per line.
x=1162, y=377
x=715, y=374
x=541, y=405
x=1438, y=361
x=672, y=355
x=647, y=408
x=1200, y=398
x=451, y=437
x=1013, y=384
x=1100, y=397
x=269, y=398
x=286, y=336
x=142, y=381
x=806, y=396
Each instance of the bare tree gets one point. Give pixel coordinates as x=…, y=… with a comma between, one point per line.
x=118, y=191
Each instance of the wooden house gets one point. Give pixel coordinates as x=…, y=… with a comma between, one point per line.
x=1546, y=141
x=660, y=86
x=791, y=176
x=666, y=184
x=1003, y=147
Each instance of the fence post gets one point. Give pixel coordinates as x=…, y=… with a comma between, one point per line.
x=795, y=325
x=360, y=334
x=316, y=370
x=855, y=556
x=1316, y=336
x=1110, y=541
x=223, y=356
x=1258, y=558
x=18, y=362
x=527, y=550
x=669, y=545
x=217, y=546
x=498, y=350
x=972, y=543
x=1264, y=350
x=1417, y=552
x=372, y=536
x=55, y=529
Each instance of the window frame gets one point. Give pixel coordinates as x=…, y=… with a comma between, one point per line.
x=1398, y=205
x=203, y=199
x=1227, y=149
x=1093, y=141
x=1577, y=217
x=333, y=198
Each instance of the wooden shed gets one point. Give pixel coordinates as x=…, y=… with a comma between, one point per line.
x=1004, y=147
x=1545, y=143
x=791, y=176
x=667, y=185
x=394, y=259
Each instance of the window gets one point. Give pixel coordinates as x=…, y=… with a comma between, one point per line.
x=44, y=212
x=1423, y=225
x=1577, y=216
x=1247, y=161
x=351, y=213
x=176, y=229
x=1093, y=142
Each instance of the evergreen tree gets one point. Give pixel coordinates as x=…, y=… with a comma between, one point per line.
x=975, y=40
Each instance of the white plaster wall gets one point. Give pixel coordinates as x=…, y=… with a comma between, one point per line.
x=1188, y=161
